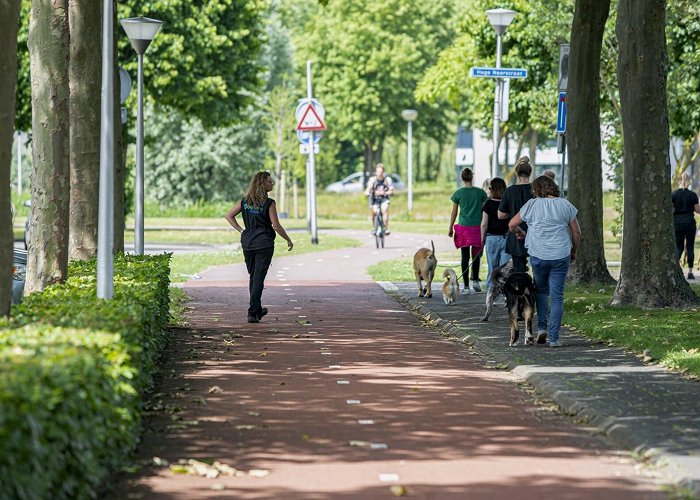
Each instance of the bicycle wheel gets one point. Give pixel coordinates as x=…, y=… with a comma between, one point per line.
x=379, y=229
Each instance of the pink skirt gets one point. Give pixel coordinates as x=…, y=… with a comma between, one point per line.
x=467, y=236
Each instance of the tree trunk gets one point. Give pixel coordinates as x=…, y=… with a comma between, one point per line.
x=651, y=275
x=372, y=155
x=85, y=18
x=9, y=15
x=49, y=48
x=583, y=137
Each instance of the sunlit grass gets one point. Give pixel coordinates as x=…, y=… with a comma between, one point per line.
x=667, y=335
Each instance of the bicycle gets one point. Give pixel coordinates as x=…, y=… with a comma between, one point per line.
x=379, y=230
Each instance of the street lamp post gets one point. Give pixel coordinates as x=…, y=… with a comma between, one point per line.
x=410, y=116
x=500, y=19
x=141, y=31
x=105, y=226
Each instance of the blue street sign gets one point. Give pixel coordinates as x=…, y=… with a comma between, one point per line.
x=498, y=72
x=561, y=113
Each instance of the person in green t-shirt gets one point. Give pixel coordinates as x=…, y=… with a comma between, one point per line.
x=468, y=201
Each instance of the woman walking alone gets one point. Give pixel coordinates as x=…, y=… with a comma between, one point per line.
x=468, y=201
x=685, y=205
x=552, y=240
x=258, y=238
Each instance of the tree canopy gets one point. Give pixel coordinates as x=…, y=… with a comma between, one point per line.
x=204, y=62
x=368, y=59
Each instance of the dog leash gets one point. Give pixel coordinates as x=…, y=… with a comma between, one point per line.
x=470, y=264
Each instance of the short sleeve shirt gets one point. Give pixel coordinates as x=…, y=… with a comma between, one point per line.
x=470, y=201
x=496, y=226
x=513, y=199
x=548, y=236
x=684, y=201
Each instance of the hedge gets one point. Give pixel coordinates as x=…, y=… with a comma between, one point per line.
x=72, y=371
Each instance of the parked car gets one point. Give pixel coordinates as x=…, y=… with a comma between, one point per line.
x=353, y=184
x=19, y=271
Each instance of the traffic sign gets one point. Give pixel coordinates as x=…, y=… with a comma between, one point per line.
x=305, y=137
x=498, y=72
x=301, y=107
x=305, y=149
x=310, y=120
x=561, y=113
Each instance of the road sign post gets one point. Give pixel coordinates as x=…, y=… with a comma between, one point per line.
x=500, y=114
x=310, y=115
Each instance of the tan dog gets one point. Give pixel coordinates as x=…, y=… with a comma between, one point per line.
x=424, y=264
x=450, y=288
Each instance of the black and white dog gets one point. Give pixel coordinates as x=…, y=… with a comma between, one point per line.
x=498, y=280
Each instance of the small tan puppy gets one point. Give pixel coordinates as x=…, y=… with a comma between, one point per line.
x=424, y=264
x=450, y=288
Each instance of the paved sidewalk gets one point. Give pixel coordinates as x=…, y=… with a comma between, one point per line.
x=639, y=406
x=340, y=393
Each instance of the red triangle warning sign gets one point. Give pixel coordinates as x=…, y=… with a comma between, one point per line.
x=310, y=121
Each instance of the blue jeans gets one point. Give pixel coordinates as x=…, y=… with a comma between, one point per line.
x=496, y=254
x=550, y=277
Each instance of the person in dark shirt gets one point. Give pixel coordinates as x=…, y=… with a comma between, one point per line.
x=258, y=238
x=493, y=229
x=685, y=205
x=513, y=200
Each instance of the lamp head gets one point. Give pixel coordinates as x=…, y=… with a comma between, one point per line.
x=500, y=19
x=141, y=31
x=409, y=114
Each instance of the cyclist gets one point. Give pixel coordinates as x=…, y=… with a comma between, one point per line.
x=379, y=189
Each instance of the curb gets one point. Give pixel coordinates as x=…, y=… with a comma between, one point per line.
x=683, y=471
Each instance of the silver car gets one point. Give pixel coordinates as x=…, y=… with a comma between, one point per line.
x=353, y=184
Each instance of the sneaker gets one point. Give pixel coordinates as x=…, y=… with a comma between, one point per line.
x=262, y=313
x=690, y=275
x=387, y=232
x=556, y=343
x=467, y=291
x=541, y=336
x=476, y=286
x=253, y=319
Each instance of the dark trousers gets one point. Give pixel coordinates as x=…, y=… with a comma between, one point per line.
x=520, y=263
x=685, y=237
x=476, y=256
x=257, y=262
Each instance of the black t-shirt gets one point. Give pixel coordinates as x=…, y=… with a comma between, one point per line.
x=684, y=201
x=513, y=200
x=496, y=226
x=258, y=232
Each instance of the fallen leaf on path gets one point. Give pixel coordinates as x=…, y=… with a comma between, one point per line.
x=262, y=354
x=259, y=473
x=398, y=491
x=245, y=427
x=254, y=413
x=215, y=390
x=218, y=487
x=296, y=336
x=159, y=462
